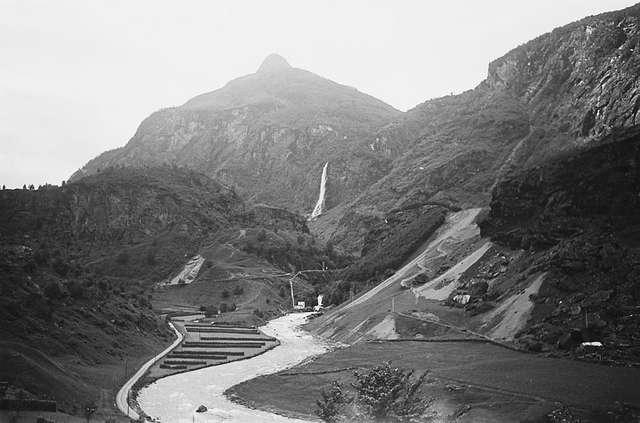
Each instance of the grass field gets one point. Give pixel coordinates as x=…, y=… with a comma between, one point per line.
x=468, y=381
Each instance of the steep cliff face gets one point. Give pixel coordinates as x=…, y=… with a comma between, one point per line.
x=577, y=219
x=551, y=95
x=267, y=135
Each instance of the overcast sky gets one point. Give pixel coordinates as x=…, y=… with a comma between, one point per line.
x=77, y=77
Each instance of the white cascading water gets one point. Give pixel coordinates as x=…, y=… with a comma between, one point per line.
x=318, y=209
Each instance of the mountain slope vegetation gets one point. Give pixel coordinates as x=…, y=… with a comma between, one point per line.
x=81, y=265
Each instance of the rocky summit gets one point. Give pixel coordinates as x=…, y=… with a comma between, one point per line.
x=489, y=239
x=267, y=135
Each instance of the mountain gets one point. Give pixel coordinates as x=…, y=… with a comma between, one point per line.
x=576, y=218
x=267, y=135
x=551, y=95
x=86, y=271
x=508, y=211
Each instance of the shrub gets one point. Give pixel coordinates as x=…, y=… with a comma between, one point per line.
x=122, y=258
x=76, y=289
x=41, y=256
x=332, y=402
x=150, y=257
x=225, y=294
x=60, y=267
x=209, y=310
x=262, y=235
x=238, y=290
x=53, y=291
x=383, y=393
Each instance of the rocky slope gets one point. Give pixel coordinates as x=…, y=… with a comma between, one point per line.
x=550, y=95
x=267, y=135
x=80, y=264
x=577, y=219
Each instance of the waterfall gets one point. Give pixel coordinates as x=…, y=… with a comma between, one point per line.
x=319, y=208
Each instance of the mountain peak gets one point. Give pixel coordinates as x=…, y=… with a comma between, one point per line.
x=273, y=63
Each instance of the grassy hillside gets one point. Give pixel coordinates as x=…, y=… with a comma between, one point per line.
x=80, y=266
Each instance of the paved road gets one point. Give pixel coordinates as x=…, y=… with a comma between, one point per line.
x=123, y=393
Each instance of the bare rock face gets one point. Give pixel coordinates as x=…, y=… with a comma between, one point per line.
x=550, y=96
x=577, y=218
x=267, y=135
x=273, y=63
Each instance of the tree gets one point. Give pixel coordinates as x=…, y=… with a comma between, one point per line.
x=24, y=187
x=75, y=288
x=31, y=187
x=150, y=257
x=332, y=402
x=53, y=291
x=122, y=258
x=60, y=266
x=383, y=393
x=4, y=187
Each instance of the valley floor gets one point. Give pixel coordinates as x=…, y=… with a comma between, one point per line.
x=468, y=381
x=175, y=398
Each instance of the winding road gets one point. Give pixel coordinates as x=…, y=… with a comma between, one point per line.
x=123, y=393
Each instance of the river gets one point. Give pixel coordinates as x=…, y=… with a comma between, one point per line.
x=174, y=399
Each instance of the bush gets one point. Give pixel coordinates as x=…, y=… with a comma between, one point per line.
x=383, y=393
x=262, y=235
x=60, y=267
x=122, y=258
x=238, y=290
x=53, y=291
x=225, y=294
x=331, y=404
x=76, y=289
x=41, y=256
x=209, y=310
x=150, y=257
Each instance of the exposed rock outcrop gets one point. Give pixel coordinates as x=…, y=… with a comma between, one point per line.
x=549, y=96
x=267, y=135
x=577, y=219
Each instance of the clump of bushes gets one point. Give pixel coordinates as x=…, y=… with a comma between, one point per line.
x=383, y=393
